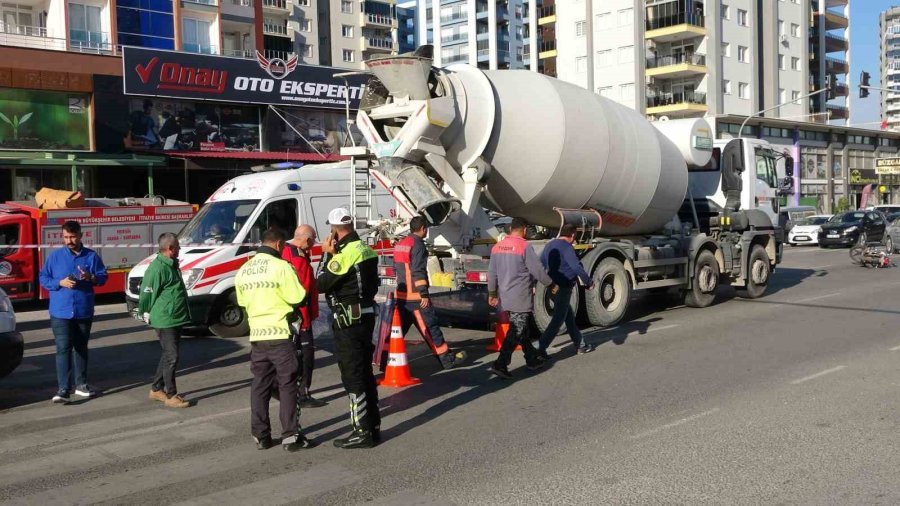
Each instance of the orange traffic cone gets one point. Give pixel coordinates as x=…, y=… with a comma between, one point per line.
x=397, y=373
x=500, y=331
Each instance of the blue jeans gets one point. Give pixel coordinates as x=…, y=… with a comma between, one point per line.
x=562, y=312
x=71, y=334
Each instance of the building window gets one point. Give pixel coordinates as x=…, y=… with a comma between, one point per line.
x=795, y=63
x=347, y=31
x=726, y=12
x=303, y=3
x=726, y=49
x=605, y=91
x=195, y=36
x=782, y=64
x=581, y=64
x=348, y=55
x=795, y=30
x=742, y=18
x=795, y=95
x=781, y=30
x=604, y=21
x=626, y=54
x=604, y=58
x=85, y=27
x=782, y=95
x=346, y=6
x=305, y=25
x=306, y=50
x=579, y=28
x=626, y=17
x=743, y=54
x=626, y=92
x=726, y=86
x=744, y=91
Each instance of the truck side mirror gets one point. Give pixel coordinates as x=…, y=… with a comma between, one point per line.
x=789, y=166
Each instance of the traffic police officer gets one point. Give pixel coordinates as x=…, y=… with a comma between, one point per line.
x=268, y=289
x=411, y=265
x=349, y=279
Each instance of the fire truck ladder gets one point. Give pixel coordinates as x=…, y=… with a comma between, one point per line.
x=361, y=189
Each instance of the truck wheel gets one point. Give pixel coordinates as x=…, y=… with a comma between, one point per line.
x=706, y=280
x=607, y=302
x=229, y=319
x=543, y=307
x=758, y=273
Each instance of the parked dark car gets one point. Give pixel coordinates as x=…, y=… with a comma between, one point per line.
x=852, y=227
x=11, y=345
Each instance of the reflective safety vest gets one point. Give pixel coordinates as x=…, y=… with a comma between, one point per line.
x=351, y=275
x=268, y=289
x=411, y=268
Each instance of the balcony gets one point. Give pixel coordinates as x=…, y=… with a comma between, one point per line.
x=455, y=38
x=673, y=27
x=836, y=43
x=836, y=21
x=276, y=29
x=188, y=47
x=457, y=17
x=377, y=44
x=835, y=3
x=676, y=66
x=272, y=53
x=202, y=4
x=547, y=49
x=240, y=53
x=90, y=42
x=242, y=3
x=676, y=104
x=35, y=37
x=842, y=90
x=280, y=6
x=836, y=65
x=378, y=21
x=837, y=111
x=446, y=60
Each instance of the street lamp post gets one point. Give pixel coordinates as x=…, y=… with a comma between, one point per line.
x=757, y=113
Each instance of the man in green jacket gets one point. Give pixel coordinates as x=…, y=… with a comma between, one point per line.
x=163, y=305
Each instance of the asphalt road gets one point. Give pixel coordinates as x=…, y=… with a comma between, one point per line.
x=789, y=399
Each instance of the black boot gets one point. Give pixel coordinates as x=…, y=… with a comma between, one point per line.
x=451, y=358
x=358, y=439
x=263, y=443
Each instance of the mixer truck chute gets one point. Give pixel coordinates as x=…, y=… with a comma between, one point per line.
x=450, y=143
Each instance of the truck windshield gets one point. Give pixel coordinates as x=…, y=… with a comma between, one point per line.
x=217, y=222
x=765, y=168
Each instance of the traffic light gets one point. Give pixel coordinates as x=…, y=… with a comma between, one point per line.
x=864, y=84
x=830, y=85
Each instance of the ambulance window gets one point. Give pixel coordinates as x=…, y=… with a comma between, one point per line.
x=280, y=215
x=9, y=235
x=321, y=206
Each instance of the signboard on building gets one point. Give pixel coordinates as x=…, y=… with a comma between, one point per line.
x=44, y=120
x=153, y=72
x=863, y=176
x=887, y=166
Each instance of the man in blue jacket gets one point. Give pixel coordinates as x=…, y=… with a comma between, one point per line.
x=70, y=274
x=565, y=270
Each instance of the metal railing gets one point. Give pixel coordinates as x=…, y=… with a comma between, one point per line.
x=674, y=19
x=380, y=19
x=454, y=58
x=28, y=31
x=676, y=59
x=240, y=53
x=83, y=41
x=275, y=29
x=273, y=53
x=459, y=16
x=455, y=37
x=203, y=2
x=188, y=47
x=380, y=43
x=275, y=4
x=658, y=99
x=242, y=3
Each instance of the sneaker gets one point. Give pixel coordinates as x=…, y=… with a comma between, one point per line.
x=358, y=439
x=61, y=398
x=503, y=372
x=587, y=348
x=543, y=356
x=157, y=395
x=85, y=391
x=309, y=401
x=452, y=359
x=177, y=401
x=263, y=443
x=296, y=443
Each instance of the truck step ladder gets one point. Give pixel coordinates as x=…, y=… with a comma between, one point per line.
x=361, y=185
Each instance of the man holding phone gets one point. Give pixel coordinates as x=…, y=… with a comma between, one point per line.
x=70, y=275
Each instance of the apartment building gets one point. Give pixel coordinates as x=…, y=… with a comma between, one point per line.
x=407, y=35
x=889, y=27
x=486, y=34
x=693, y=58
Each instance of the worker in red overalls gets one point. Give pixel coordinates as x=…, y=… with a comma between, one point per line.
x=410, y=264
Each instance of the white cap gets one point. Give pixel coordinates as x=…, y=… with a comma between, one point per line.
x=339, y=216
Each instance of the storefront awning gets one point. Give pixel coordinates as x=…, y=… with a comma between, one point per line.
x=275, y=156
x=79, y=159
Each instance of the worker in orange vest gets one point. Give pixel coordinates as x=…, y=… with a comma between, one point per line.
x=413, y=302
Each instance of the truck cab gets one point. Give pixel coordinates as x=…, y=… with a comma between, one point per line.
x=17, y=264
x=225, y=233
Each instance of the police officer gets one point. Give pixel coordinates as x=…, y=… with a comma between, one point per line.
x=411, y=265
x=268, y=289
x=348, y=277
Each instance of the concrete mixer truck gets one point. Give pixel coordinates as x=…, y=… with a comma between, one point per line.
x=657, y=206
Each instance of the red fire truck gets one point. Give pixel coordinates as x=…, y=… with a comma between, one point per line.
x=123, y=231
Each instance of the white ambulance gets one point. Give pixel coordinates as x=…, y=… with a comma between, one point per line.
x=221, y=237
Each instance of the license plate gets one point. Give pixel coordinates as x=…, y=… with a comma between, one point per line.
x=833, y=236
x=801, y=238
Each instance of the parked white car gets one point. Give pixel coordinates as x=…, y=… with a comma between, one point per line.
x=12, y=347
x=806, y=231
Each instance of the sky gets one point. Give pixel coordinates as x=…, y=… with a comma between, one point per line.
x=864, y=55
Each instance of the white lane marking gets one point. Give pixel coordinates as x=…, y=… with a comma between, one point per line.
x=791, y=252
x=819, y=267
x=818, y=374
x=817, y=297
x=895, y=348
x=675, y=424
x=282, y=489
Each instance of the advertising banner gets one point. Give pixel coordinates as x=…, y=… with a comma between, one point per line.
x=44, y=120
x=261, y=80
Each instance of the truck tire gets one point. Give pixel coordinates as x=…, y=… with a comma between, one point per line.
x=607, y=303
x=543, y=307
x=228, y=319
x=758, y=273
x=706, y=280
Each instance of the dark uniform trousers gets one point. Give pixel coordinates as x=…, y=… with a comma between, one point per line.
x=354, y=349
x=274, y=364
x=425, y=320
